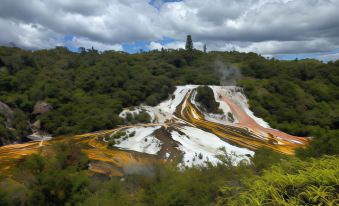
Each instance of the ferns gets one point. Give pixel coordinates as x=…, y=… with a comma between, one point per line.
x=295, y=182
x=321, y=195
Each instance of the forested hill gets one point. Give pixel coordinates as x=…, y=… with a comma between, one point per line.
x=87, y=90
x=62, y=92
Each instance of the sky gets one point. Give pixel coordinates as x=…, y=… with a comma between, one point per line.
x=285, y=29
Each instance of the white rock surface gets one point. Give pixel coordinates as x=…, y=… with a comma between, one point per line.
x=199, y=146
x=235, y=94
x=143, y=140
x=164, y=111
x=217, y=118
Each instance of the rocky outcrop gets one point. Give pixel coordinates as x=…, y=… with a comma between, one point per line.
x=7, y=112
x=38, y=134
x=36, y=126
x=41, y=108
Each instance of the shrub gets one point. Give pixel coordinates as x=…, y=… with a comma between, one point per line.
x=205, y=97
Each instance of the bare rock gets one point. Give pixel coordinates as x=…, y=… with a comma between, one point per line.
x=36, y=126
x=6, y=111
x=42, y=107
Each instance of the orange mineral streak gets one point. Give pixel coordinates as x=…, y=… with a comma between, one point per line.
x=247, y=121
x=112, y=161
x=104, y=160
x=247, y=133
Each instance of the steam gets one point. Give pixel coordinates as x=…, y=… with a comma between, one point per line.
x=139, y=169
x=229, y=74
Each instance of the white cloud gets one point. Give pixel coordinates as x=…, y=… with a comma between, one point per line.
x=28, y=35
x=328, y=57
x=87, y=43
x=155, y=46
x=264, y=26
x=173, y=45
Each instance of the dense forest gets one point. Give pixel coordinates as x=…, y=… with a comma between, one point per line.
x=85, y=92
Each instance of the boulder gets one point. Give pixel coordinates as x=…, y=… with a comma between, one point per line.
x=42, y=107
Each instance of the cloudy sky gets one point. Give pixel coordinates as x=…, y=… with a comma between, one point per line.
x=282, y=28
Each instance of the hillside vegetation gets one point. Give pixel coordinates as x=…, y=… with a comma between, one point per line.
x=60, y=178
x=298, y=97
x=88, y=89
x=85, y=92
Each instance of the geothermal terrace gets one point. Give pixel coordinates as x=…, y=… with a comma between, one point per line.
x=180, y=131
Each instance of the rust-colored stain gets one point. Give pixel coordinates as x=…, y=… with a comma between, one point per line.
x=247, y=133
x=103, y=159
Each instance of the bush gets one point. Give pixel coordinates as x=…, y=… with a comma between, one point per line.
x=132, y=134
x=58, y=179
x=205, y=97
x=143, y=117
x=112, y=140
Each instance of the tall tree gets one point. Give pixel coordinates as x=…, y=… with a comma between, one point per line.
x=189, y=43
x=205, y=48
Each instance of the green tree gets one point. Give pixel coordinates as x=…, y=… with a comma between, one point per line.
x=189, y=43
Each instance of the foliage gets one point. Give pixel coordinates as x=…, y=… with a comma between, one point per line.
x=113, y=138
x=132, y=134
x=299, y=97
x=88, y=89
x=137, y=117
x=189, y=43
x=205, y=97
x=17, y=127
x=57, y=179
x=143, y=117
x=265, y=158
x=165, y=185
x=294, y=182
